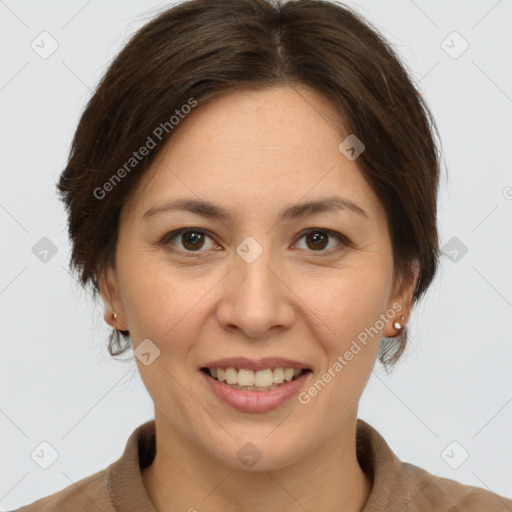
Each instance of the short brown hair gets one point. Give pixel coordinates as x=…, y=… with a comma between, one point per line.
x=202, y=47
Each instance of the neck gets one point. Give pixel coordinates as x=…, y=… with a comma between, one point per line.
x=183, y=477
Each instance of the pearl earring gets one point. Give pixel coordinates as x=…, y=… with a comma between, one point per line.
x=398, y=325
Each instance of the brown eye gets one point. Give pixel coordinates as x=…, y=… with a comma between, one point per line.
x=187, y=240
x=192, y=240
x=317, y=240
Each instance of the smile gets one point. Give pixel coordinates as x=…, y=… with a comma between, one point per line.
x=249, y=380
x=255, y=391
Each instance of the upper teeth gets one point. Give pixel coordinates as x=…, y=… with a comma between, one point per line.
x=259, y=378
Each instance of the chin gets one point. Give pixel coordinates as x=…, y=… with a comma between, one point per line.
x=255, y=451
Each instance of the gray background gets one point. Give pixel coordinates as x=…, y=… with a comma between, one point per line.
x=58, y=383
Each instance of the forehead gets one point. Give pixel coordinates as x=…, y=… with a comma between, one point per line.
x=254, y=149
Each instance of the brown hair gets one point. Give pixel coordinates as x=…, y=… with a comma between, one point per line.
x=200, y=48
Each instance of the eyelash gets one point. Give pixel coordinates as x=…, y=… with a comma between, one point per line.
x=344, y=241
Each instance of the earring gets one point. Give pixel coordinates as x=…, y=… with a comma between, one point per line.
x=115, y=318
x=398, y=325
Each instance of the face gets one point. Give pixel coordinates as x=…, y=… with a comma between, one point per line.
x=256, y=283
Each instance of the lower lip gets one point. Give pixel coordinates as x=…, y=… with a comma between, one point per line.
x=256, y=401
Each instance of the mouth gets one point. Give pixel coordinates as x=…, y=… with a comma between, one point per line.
x=246, y=379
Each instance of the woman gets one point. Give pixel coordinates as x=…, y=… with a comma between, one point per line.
x=252, y=191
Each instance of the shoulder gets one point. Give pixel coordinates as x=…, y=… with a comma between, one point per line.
x=398, y=485
x=117, y=487
x=89, y=494
x=431, y=492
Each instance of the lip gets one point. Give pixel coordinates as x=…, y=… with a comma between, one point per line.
x=256, y=401
x=260, y=364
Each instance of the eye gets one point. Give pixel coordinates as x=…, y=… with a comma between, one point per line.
x=191, y=239
x=195, y=239
x=317, y=239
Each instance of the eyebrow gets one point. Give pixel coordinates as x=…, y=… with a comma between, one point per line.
x=213, y=211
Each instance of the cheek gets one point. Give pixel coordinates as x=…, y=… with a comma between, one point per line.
x=350, y=300
x=161, y=303
x=351, y=306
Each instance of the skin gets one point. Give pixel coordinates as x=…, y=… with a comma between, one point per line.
x=242, y=150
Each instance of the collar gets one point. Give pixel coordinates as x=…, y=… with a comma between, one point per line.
x=394, y=484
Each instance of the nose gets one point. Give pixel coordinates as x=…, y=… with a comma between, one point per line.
x=256, y=298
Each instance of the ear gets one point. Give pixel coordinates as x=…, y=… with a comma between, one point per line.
x=109, y=291
x=401, y=300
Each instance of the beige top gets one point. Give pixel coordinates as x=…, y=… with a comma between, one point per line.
x=396, y=486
